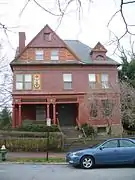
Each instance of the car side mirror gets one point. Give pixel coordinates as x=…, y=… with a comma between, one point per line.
x=101, y=147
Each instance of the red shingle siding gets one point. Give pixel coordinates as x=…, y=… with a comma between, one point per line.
x=64, y=54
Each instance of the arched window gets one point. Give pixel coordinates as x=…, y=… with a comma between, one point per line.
x=100, y=58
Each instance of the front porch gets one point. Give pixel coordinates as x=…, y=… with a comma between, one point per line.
x=64, y=114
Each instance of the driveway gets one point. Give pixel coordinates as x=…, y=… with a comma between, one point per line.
x=62, y=172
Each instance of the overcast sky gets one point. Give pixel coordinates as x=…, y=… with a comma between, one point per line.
x=91, y=28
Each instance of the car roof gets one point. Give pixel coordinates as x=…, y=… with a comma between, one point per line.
x=122, y=138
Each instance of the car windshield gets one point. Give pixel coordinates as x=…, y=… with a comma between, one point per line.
x=95, y=145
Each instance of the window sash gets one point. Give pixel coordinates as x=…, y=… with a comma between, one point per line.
x=67, y=77
x=54, y=55
x=104, y=77
x=19, y=77
x=92, y=77
x=27, y=78
x=27, y=85
x=105, y=84
x=67, y=85
x=54, y=58
x=40, y=113
x=19, y=85
x=39, y=55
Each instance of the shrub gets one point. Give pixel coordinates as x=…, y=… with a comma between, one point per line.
x=33, y=144
x=89, y=130
x=37, y=128
x=27, y=134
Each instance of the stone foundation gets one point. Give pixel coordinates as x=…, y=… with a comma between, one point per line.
x=117, y=129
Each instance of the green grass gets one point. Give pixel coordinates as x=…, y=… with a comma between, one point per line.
x=40, y=160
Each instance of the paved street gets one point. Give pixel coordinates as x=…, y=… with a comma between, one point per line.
x=63, y=172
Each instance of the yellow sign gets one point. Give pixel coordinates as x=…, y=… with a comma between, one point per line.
x=36, y=82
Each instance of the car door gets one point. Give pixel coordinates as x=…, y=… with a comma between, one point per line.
x=126, y=151
x=107, y=152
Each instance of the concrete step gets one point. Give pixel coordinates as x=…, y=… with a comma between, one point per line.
x=70, y=132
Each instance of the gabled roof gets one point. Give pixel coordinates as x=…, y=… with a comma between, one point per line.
x=99, y=47
x=39, y=42
x=80, y=50
x=83, y=51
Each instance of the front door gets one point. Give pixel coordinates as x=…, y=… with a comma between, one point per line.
x=67, y=114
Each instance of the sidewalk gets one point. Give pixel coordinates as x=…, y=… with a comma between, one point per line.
x=12, y=155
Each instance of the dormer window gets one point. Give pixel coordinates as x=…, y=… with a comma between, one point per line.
x=54, y=55
x=47, y=36
x=100, y=58
x=39, y=55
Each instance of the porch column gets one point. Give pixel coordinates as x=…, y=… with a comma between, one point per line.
x=54, y=113
x=79, y=115
x=48, y=114
x=20, y=116
x=13, y=116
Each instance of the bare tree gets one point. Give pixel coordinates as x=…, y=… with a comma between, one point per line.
x=127, y=104
x=5, y=81
x=101, y=107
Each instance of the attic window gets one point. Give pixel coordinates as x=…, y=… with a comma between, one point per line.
x=100, y=58
x=47, y=36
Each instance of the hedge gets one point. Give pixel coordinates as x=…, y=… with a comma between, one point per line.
x=5, y=134
x=38, y=128
x=32, y=144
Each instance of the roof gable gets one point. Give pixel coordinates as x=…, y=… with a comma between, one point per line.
x=40, y=41
x=83, y=52
x=99, y=47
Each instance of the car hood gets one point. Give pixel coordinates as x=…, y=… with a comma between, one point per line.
x=86, y=150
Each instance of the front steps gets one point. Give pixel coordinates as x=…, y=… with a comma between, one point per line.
x=71, y=132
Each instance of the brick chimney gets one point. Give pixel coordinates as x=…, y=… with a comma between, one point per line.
x=22, y=39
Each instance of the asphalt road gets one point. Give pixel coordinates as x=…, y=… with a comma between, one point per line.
x=63, y=172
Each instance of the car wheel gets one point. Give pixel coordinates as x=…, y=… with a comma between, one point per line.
x=87, y=162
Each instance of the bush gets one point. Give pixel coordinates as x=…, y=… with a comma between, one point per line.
x=37, y=128
x=33, y=144
x=89, y=130
x=6, y=134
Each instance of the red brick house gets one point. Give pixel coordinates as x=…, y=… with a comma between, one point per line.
x=51, y=77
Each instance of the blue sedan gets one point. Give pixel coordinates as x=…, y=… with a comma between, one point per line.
x=111, y=152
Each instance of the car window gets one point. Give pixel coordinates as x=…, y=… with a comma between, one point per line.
x=126, y=143
x=111, y=144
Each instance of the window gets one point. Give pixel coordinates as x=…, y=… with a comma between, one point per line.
x=93, y=110
x=27, y=81
x=67, y=78
x=39, y=55
x=92, y=80
x=107, y=107
x=100, y=58
x=23, y=81
x=126, y=143
x=111, y=144
x=104, y=81
x=98, y=81
x=47, y=36
x=19, y=81
x=55, y=55
x=101, y=129
x=40, y=113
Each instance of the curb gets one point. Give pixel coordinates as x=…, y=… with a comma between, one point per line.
x=32, y=163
